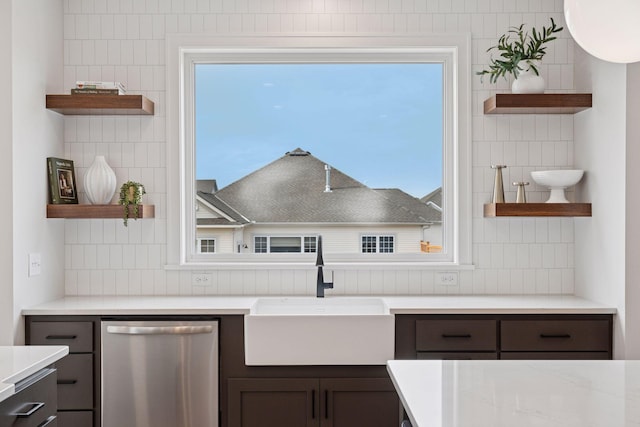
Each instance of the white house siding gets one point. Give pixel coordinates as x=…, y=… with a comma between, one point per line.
x=343, y=239
x=204, y=211
x=224, y=238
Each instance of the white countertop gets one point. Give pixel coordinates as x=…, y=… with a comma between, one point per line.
x=18, y=362
x=509, y=393
x=436, y=304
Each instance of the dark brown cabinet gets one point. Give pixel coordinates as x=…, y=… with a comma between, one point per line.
x=262, y=402
x=347, y=402
x=508, y=336
x=327, y=396
x=78, y=382
x=300, y=396
x=34, y=402
x=318, y=402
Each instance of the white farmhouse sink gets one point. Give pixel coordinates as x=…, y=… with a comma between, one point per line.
x=318, y=331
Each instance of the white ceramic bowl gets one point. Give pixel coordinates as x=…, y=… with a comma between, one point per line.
x=557, y=181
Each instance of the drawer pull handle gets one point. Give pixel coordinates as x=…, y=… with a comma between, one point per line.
x=313, y=404
x=28, y=409
x=61, y=337
x=48, y=421
x=67, y=382
x=326, y=404
x=456, y=335
x=555, y=336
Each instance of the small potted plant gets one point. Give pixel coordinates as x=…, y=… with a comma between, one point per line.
x=131, y=194
x=520, y=56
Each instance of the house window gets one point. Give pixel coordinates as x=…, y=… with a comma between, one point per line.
x=260, y=244
x=369, y=245
x=310, y=244
x=377, y=244
x=284, y=244
x=259, y=80
x=206, y=246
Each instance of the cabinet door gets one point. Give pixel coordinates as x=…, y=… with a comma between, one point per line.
x=273, y=402
x=75, y=382
x=34, y=403
x=349, y=402
x=75, y=419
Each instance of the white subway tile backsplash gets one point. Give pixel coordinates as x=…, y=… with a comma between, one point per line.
x=122, y=40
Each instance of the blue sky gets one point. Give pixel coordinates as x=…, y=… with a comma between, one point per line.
x=378, y=123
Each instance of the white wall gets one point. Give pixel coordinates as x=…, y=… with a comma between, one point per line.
x=125, y=41
x=37, y=58
x=632, y=232
x=6, y=215
x=600, y=134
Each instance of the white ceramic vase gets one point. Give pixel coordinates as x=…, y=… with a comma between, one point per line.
x=528, y=81
x=99, y=182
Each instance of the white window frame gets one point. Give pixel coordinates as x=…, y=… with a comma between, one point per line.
x=270, y=236
x=378, y=237
x=452, y=49
x=199, y=245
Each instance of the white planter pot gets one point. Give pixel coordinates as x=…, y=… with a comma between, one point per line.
x=99, y=182
x=528, y=81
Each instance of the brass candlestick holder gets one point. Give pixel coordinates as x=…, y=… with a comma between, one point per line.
x=520, y=195
x=498, y=187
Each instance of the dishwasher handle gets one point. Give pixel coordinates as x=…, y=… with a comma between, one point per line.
x=159, y=330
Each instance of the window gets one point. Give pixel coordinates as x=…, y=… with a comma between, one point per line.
x=284, y=244
x=306, y=60
x=377, y=244
x=206, y=246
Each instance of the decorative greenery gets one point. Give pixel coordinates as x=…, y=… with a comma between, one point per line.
x=131, y=194
x=522, y=47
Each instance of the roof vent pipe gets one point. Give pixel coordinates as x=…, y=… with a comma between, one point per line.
x=327, y=185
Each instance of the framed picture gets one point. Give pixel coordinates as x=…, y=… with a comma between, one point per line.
x=62, y=181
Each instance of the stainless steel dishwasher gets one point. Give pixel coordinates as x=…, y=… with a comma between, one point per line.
x=160, y=373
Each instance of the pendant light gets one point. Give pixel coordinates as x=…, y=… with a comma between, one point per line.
x=608, y=30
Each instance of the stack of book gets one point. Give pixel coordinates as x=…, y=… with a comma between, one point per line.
x=98, y=88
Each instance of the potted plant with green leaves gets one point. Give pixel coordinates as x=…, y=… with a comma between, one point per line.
x=131, y=195
x=520, y=54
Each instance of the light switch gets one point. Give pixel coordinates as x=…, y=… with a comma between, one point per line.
x=35, y=264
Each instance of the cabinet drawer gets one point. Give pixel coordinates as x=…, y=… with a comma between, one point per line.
x=456, y=355
x=75, y=419
x=555, y=335
x=455, y=335
x=77, y=335
x=75, y=381
x=555, y=355
x=34, y=404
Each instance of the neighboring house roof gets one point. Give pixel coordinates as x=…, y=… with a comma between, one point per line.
x=292, y=190
x=228, y=215
x=434, y=197
x=207, y=185
x=412, y=204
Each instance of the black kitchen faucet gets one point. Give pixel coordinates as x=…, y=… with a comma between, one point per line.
x=321, y=285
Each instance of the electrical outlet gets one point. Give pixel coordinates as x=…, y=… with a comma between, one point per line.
x=447, y=278
x=201, y=279
x=35, y=264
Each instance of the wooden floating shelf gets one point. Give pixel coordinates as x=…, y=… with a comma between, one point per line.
x=97, y=211
x=537, y=103
x=100, y=104
x=537, y=209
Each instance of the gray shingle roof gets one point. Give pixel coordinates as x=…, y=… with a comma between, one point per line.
x=291, y=190
x=412, y=204
x=221, y=206
x=435, y=197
